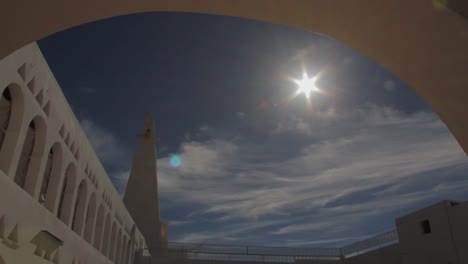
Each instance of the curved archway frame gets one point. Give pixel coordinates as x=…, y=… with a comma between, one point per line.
x=106, y=235
x=8, y=155
x=37, y=164
x=58, y=171
x=81, y=201
x=90, y=219
x=423, y=43
x=99, y=227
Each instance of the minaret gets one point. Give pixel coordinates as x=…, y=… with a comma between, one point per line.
x=141, y=195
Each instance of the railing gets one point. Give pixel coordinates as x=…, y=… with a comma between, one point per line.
x=274, y=254
x=253, y=250
x=385, y=239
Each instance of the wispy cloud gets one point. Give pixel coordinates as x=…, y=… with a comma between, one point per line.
x=104, y=142
x=111, y=153
x=180, y=223
x=351, y=169
x=293, y=124
x=355, y=166
x=240, y=115
x=389, y=85
x=87, y=89
x=214, y=235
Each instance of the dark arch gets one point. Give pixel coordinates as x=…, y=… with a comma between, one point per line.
x=80, y=208
x=127, y=253
x=346, y=22
x=121, y=248
x=5, y=113
x=46, y=177
x=133, y=243
x=106, y=236
x=118, y=244
x=90, y=219
x=15, y=117
x=123, y=255
x=52, y=192
x=111, y=251
x=65, y=206
x=31, y=155
x=53, y=166
x=99, y=228
x=26, y=155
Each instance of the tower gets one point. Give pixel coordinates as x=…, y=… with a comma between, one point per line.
x=141, y=195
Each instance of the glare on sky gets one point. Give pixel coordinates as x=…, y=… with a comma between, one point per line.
x=306, y=85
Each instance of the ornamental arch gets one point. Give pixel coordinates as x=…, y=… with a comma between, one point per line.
x=12, y=111
x=423, y=42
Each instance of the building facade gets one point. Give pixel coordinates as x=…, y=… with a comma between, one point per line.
x=436, y=234
x=57, y=204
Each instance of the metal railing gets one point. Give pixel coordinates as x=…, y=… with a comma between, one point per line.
x=274, y=254
x=378, y=241
x=252, y=250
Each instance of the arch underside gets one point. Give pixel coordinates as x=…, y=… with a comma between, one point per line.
x=421, y=41
x=90, y=215
x=105, y=238
x=99, y=228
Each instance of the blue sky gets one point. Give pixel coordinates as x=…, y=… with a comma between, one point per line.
x=256, y=168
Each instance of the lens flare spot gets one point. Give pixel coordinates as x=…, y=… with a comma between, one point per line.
x=175, y=161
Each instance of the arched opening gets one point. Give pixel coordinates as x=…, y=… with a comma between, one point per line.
x=33, y=176
x=46, y=177
x=53, y=160
x=112, y=241
x=80, y=208
x=90, y=219
x=26, y=155
x=11, y=115
x=123, y=255
x=127, y=253
x=99, y=228
x=52, y=178
x=66, y=195
x=118, y=250
x=31, y=155
x=121, y=248
x=105, y=237
x=5, y=113
x=134, y=253
x=132, y=243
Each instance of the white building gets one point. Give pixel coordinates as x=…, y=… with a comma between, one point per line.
x=436, y=234
x=51, y=181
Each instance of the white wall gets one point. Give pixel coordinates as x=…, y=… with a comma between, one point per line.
x=36, y=95
x=458, y=217
x=386, y=255
x=435, y=247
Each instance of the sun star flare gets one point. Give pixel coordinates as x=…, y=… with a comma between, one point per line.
x=306, y=85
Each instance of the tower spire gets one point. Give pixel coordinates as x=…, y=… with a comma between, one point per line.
x=150, y=127
x=141, y=195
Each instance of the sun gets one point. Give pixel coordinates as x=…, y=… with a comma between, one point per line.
x=306, y=85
